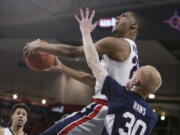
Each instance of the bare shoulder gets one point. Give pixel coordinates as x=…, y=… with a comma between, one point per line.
x=114, y=43
x=117, y=48
x=1, y=131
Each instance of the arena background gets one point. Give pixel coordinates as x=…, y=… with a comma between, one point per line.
x=53, y=21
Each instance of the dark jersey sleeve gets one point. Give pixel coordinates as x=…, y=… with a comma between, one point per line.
x=112, y=88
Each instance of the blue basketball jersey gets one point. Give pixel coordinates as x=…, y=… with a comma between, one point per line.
x=128, y=113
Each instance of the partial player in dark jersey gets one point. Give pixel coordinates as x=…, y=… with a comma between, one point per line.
x=128, y=112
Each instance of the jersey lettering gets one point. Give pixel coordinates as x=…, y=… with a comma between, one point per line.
x=133, y=125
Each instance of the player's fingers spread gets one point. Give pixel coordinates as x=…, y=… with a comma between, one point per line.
x=77, y=18
x=82, y=14
x=87, y=13
x=92, y=15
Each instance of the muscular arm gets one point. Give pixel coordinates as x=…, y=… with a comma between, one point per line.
x=83, y=77
x=62, y=50
x=118, y=49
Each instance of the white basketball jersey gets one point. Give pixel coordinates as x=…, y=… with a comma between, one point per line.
x=120, y=71
x=7, y=131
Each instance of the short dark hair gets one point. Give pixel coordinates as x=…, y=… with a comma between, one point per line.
x=20, y=105
x=140, y=22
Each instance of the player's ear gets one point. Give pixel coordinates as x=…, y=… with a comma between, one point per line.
x=136, y=82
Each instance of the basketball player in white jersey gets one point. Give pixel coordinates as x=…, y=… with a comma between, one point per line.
x=119, y=58
x=19, y=118
x=128, y=112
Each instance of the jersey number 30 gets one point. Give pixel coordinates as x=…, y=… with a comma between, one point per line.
x=133, y=125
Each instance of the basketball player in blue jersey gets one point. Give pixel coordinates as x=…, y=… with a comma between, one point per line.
x=128, y=112
x=119, y=58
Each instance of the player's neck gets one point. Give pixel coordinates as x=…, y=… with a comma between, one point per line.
x=142, y=94
x=17, y=130
x=128, y=35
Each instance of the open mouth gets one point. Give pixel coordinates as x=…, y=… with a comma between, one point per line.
x=20, y=120
x=117, y=23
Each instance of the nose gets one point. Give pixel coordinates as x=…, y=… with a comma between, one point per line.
x=21, y=116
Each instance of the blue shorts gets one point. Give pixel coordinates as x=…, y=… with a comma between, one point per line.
x=89, y=121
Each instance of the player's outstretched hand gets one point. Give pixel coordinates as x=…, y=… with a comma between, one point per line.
x=31, y=47
x=85, y=21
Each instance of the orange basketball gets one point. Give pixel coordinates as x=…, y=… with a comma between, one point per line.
x=40, y=61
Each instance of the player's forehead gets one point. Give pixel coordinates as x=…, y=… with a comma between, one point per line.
x=21, y=110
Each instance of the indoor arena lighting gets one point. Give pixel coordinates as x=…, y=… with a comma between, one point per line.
x=15, y=96
x=43, y=101
x=151, y=96
x=154, y=110
x=163, y=117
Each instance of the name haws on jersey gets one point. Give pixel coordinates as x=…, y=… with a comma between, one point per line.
x=139, y=108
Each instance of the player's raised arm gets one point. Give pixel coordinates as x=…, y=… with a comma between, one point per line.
x=90, y=51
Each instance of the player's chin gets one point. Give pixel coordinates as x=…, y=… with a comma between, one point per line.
x=20, y=124
x=114, y=32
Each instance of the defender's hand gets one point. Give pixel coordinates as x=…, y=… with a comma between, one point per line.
x=85, y=21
